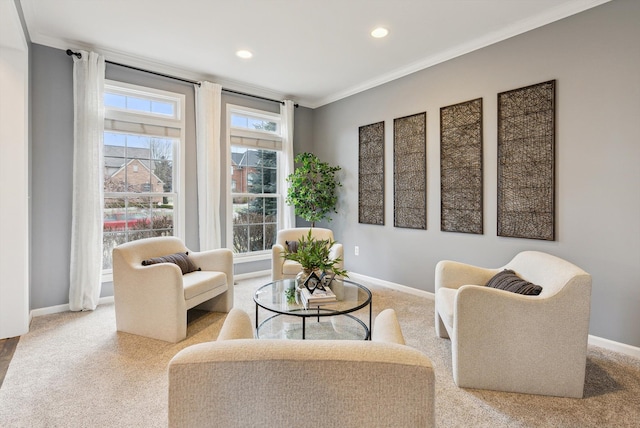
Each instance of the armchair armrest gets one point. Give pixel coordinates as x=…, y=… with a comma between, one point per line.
x=237, y=325
x=219, y=260
x=452, y=274
x=160, y=281
x=490, y=312
x=386, y=328
x=337, y=251
x=277, y=259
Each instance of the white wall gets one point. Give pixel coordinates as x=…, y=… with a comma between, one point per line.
x=14, y=169
x=595, y=58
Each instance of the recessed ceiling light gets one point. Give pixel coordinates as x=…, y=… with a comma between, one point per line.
x=244, y=54
x=379, y=32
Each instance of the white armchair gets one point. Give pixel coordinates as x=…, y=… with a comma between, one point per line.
x=511, y=342
x=287, y=269
x=153, y=300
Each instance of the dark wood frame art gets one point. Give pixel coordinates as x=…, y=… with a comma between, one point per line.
x=526, y=162
x=461, y=181
x=371, y=174
x=410, y=171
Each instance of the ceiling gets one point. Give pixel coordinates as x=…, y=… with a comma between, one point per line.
x=311, y=51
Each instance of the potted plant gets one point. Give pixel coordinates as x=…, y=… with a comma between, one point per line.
x=312, y=188
x=314, y=256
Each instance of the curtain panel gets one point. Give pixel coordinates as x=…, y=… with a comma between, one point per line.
x=287, y=213
x=209, y=165
x=88, y=182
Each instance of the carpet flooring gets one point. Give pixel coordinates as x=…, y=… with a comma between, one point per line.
x=74, y=369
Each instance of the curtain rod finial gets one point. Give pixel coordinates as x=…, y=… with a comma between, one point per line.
x=77, y=54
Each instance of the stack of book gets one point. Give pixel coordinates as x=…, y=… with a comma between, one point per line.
x=318, y=297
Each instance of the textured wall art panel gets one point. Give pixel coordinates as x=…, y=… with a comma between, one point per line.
x=461, y=167
x=526, y=162
x=371, y=174
x=410, y=171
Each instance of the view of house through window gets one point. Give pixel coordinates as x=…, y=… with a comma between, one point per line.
x=255, y=143
x=142, y=140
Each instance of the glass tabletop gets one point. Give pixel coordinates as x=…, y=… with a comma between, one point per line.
x=280, y=297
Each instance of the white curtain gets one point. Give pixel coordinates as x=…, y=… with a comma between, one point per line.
x=209, y=165
x=86, y=223
x=287, y=214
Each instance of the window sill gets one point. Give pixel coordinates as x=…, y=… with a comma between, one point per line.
x=248, y=258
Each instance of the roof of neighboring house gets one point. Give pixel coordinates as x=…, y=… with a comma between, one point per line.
x=122, y=168
x=114, y=156
x=248, y=158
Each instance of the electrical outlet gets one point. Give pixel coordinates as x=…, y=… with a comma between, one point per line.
x=356, y=250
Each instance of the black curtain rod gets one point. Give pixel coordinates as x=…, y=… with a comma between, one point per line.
x=79, y=55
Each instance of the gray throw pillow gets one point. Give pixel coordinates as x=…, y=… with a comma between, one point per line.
x=292, y=246
x=509, y=281
x=180, y=259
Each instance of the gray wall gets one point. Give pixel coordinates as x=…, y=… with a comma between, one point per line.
x=52, y=160
x=595, y=57
x=51, y=175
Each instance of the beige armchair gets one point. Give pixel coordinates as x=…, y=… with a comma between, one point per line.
x=152, y=301
x=238, y=381
x=511, y=342
x=287, y=269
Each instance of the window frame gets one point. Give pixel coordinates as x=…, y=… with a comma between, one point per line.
x=276, y=139
x=118, y=120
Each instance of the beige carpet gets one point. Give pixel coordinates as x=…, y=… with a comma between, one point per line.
x=75, y=370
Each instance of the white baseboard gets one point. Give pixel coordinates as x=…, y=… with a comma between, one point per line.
x=62, y=308
x=250, y=275
x=392, y=285
x=621, y=348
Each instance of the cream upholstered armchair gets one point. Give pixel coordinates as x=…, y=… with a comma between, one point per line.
x=238, y=381
x=534, y=344
x=152, y=300
x=286, y=269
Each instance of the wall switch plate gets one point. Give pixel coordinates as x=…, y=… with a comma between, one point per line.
x=356, y=250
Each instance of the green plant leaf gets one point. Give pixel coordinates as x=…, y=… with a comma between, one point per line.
x=312, y=188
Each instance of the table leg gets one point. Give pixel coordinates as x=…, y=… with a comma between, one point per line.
x=256, y=318
x=370, y=325
x=304, y=325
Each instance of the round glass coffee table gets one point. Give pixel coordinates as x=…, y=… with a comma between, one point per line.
x=332, y=320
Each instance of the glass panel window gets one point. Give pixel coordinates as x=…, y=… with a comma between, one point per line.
x=255, y=198
x=255, y=223
x=255, y=122
x=123, y=99
x=140, y=169
x=254, y=147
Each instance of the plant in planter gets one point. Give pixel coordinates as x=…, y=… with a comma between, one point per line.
x=314, y=256
x=312, y=188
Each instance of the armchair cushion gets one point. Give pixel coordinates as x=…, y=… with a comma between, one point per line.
x=508, y=280
x=199, y=282
x=180, y=259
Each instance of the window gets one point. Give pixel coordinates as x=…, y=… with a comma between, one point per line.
x=143, y=140
x=254, y=147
